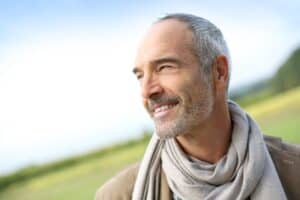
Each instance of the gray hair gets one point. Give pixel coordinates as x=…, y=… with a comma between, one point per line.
x=209, y=42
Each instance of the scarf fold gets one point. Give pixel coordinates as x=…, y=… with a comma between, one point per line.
x=245, y=171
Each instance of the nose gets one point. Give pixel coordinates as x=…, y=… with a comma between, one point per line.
x=150, y=86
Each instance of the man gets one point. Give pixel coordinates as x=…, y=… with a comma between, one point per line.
x=204, y=146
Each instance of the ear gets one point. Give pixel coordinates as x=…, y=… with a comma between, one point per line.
x=221, y=73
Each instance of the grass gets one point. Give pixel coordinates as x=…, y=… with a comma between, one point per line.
x=278, y=116
x=77, y=182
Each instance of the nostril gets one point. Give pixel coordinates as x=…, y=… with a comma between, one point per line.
x=155, y=96
x=149, y=90
x=151, y=94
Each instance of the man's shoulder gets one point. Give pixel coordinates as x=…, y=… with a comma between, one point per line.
x=287, y=152
x=286, y=158
x=119, y=187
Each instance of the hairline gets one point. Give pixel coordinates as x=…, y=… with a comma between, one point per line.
x=197, y=37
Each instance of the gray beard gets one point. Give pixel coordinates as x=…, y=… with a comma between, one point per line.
x=186, y=120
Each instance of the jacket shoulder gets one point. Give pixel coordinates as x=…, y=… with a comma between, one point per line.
x=119, y=187
x=286, y=158
x=276, y=144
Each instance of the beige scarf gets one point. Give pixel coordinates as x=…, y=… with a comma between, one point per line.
x=245, y=171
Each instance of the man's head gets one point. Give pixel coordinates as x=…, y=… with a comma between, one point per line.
x=208, y=42
x=182, y=66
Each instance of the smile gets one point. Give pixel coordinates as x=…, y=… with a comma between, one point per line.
x=163, y=110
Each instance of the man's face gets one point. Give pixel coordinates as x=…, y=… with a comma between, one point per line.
x=170, y=77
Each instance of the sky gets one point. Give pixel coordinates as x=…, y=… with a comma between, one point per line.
x=66, y=85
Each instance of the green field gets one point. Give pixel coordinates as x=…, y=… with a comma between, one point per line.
x=278, y=116
x=77, y=182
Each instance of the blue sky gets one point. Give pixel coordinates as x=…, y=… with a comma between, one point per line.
x=65, y=67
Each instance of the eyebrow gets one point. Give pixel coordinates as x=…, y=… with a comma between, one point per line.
x=158, y=62
x=165, y=60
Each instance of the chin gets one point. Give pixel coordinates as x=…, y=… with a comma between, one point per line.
x=167, y=131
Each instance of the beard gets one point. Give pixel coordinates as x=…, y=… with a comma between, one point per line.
x=191, y=112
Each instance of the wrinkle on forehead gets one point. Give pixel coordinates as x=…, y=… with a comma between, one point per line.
x=165, y=38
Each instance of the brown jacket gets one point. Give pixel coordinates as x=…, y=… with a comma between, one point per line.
x=286, y=158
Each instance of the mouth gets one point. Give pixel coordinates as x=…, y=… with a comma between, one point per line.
x=164, y=109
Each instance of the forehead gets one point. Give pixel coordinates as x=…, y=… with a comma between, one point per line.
x=168, y=38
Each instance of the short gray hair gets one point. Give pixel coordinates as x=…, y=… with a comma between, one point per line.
x=209, y=42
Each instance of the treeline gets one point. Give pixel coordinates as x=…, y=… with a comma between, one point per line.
x=288, y=75
x=286, y=78
x=34, y=171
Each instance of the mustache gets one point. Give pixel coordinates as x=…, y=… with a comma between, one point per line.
x=161, y=99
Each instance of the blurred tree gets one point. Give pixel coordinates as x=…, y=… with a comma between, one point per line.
x=288, y=75
x=286, y=78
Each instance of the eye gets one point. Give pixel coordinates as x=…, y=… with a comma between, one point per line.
x=164, y=67
x=139, y=76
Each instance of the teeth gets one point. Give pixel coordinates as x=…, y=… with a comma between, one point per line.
x=163, y=108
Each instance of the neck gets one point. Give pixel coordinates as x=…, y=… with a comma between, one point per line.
x=211, y=139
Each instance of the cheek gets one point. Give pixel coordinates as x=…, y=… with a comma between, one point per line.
x=194, y=92
x=189, y=86
x=145, y=104
x=146, y=107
